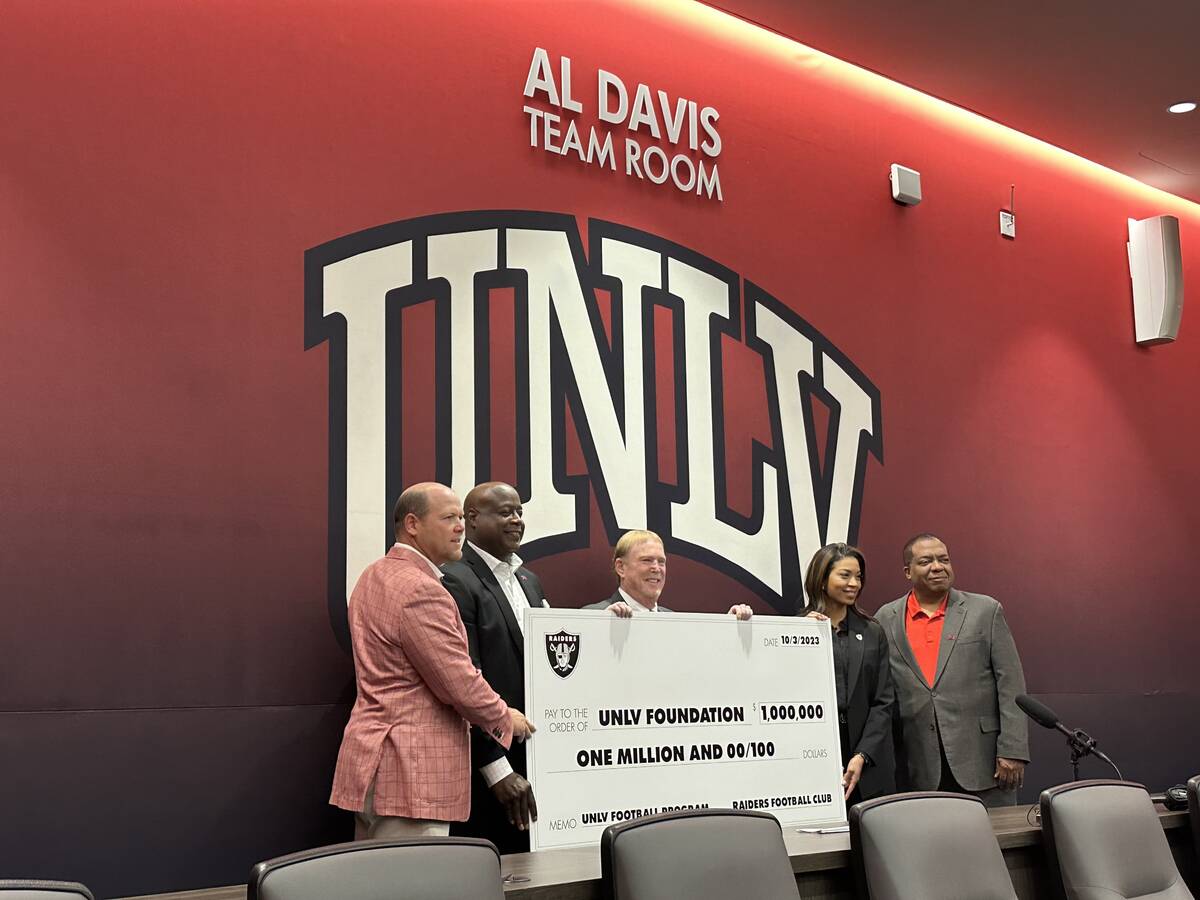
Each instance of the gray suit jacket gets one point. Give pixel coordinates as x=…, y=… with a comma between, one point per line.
x=972, y=701
x=616, y=598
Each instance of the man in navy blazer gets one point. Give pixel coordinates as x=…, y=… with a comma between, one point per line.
x=492, y=590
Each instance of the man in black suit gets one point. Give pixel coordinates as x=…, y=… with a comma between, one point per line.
x=492, y=589
x=640, y=564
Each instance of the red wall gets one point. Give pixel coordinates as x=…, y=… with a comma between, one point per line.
x=163, y=169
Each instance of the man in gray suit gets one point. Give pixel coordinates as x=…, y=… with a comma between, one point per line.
x=957, y=676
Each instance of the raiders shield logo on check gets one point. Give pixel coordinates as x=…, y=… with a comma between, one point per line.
x=562, y=650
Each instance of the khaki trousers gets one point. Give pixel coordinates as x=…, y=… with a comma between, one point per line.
x=369, y=826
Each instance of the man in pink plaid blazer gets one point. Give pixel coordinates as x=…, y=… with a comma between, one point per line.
x=404, y=763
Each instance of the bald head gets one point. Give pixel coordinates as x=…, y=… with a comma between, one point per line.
x=494, y=518
x=477, y=494
x=413, y=500
x=429, y=517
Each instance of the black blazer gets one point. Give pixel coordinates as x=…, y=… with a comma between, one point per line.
x=870, y=698
x=498, y=651
x=493, y=635
x=617, y=598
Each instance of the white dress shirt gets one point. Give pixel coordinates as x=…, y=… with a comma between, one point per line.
x=634, y=605
x=506, y=574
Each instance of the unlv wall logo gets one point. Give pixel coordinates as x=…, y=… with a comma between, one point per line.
x=356, y=288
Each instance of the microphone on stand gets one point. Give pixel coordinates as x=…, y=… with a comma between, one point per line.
x=1081, y=743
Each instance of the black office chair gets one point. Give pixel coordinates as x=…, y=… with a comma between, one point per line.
x=701, y=854
x=405, y=869
x=1104, y=841
x=1193, y=789
x=927, y=844
x=18, y=889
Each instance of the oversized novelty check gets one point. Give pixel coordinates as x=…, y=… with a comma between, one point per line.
x=669, y=711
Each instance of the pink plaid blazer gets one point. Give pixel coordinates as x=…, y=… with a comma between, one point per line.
x=417, y=690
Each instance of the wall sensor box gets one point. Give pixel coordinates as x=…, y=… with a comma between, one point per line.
x=906, y=185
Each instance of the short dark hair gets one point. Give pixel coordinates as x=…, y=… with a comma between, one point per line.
x=819, y=568
x=923, y=536
x=414, y=500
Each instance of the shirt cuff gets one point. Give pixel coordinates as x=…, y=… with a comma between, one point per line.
x=496, y=771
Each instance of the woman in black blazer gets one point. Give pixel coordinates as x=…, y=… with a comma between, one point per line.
x=832, y=586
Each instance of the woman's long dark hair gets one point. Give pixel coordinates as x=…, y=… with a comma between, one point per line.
x=817, y=576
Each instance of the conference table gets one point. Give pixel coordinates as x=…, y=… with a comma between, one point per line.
x=821, y=863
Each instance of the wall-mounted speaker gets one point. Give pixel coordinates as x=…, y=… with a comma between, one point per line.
x=1156, y=268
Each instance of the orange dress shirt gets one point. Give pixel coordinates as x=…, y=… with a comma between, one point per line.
x=925, y=634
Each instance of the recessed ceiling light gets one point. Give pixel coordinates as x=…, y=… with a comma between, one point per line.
x=1187, y=106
